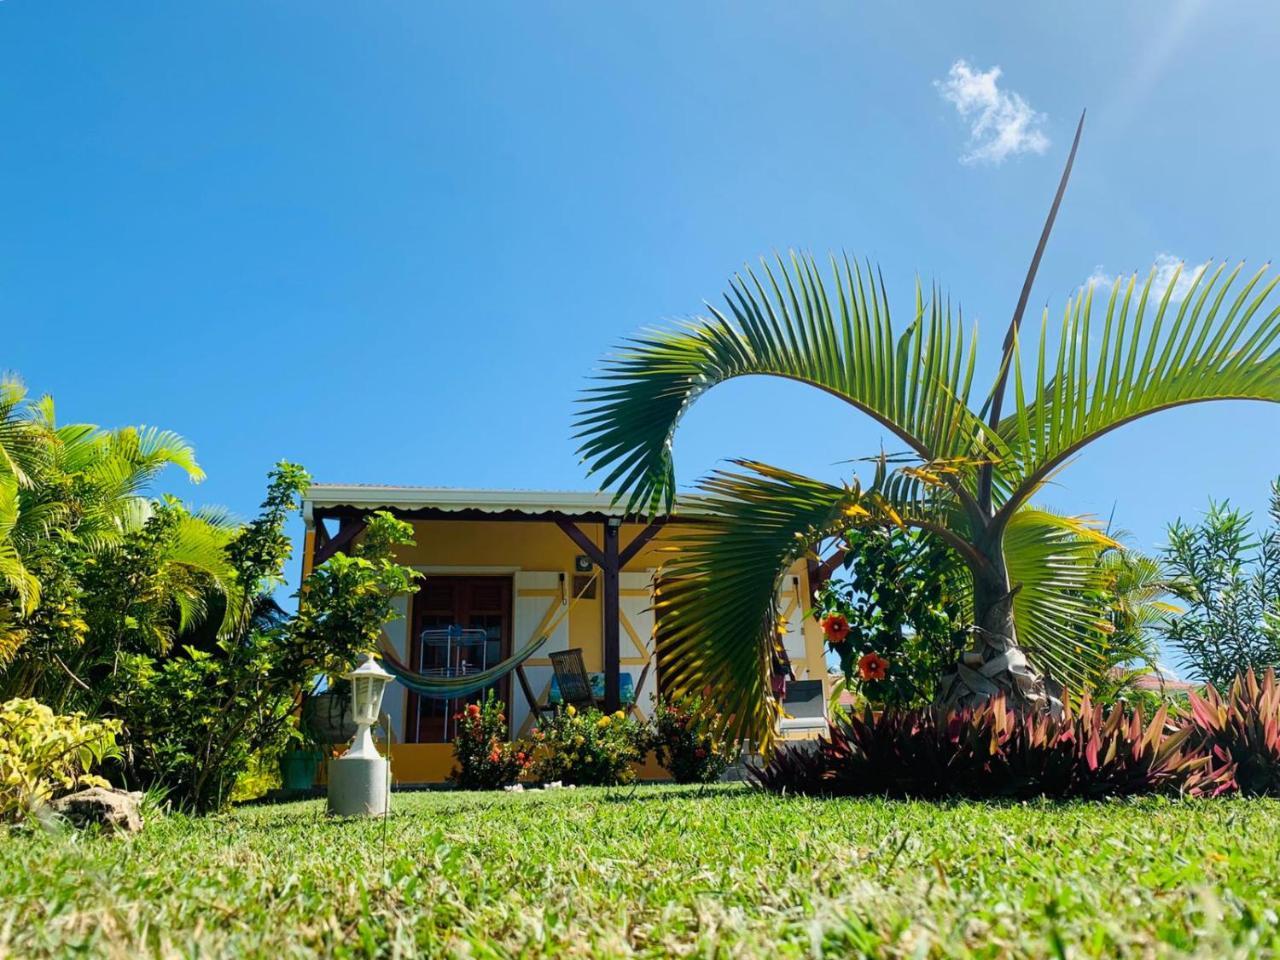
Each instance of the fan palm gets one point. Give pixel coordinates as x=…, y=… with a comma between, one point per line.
x=974, y=468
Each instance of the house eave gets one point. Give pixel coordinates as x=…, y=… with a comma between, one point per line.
x=332, y=499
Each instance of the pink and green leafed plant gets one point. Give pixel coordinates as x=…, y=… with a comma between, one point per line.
x=996, y=751
x=1241, y=731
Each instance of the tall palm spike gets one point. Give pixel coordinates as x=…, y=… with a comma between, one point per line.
x=975, y=470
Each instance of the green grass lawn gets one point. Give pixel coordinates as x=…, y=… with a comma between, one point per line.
x=659, y=870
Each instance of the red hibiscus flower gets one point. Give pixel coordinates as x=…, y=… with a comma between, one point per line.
x=872, y=666
x=836, y=627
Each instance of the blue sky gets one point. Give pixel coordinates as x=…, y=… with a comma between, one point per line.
x=391, y=240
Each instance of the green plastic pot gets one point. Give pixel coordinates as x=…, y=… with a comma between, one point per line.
x=298, y=769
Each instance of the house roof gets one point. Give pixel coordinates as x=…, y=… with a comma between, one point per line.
x=362, y=496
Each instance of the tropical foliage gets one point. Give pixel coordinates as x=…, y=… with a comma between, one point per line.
x=345, y=602
x=43, y=755
x=197, y=719
x=1228, y=578
x=587, y=748
x=1241, y=731
x=486, y=760
x=1134, y=595
x=972, y=470
x=91, y=568
x=897, y=616
x=689, y=739
x=195, y=715
x=992, y=751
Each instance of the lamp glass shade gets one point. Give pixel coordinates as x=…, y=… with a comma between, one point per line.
x=368, y=683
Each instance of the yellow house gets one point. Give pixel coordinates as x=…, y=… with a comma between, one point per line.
x=516, y=564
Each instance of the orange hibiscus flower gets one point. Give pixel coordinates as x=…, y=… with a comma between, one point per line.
x=872, y=666
x=836, y=627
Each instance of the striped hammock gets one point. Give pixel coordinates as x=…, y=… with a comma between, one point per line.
x=460, y=687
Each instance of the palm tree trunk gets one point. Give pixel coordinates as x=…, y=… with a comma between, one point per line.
x=995, y=665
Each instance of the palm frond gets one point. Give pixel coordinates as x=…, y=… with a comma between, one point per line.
x=217, y=516
x=199, y=550
x=23, y=450
x=1053, y=564
x=1138, y=585
x=1149, y=357
x=716, y=604
x=783, y=322
x=150, y=449
x=15, y=578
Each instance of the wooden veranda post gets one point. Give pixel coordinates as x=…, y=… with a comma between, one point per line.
x=611, y=559
x=612, y=629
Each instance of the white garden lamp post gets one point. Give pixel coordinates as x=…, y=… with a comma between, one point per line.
x=360, y=779
x=368, y=683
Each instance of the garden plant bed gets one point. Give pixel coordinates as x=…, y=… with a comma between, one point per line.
x=652, y=870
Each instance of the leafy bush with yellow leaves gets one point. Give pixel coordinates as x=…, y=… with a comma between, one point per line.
x=44, y=755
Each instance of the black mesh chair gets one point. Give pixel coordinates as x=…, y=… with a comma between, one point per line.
x=572, y=679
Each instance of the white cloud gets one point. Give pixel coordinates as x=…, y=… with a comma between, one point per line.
x=1001, y=123
x=1166, y=265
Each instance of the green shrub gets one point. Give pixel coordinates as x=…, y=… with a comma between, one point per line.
x=199, y=717
x=44, y=755
x=1227, y=577
x=485, y=760
x=689, y=740
x=588, y=748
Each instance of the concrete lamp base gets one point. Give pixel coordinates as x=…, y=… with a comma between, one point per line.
x=359, y=786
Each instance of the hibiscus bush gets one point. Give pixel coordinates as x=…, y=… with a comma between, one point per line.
x=894, y=615
x=588, y=748
x=486, y=761
x=689, y=739
x=44, y=755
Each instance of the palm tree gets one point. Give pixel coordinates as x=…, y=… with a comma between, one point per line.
x=1135, y=590
x=78, y=488
x=974, y=469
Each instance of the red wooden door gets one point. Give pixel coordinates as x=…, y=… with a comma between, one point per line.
x=471, y=603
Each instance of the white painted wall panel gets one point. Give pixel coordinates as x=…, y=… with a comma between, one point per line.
x=529, y=610
x=397, y=631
